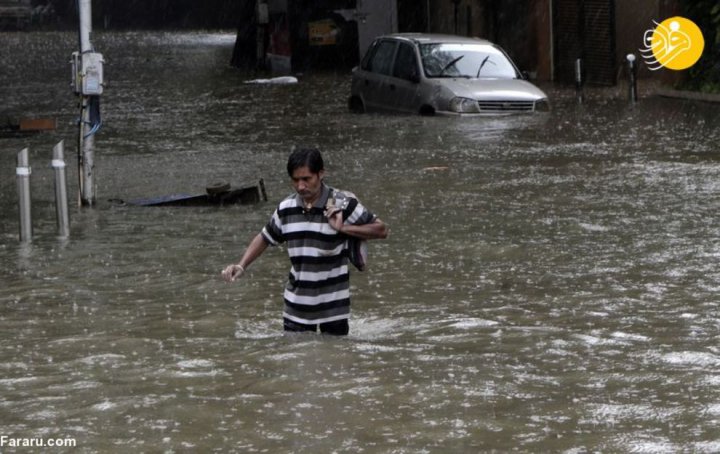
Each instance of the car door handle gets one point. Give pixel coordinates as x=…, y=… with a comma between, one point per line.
x=392, y=87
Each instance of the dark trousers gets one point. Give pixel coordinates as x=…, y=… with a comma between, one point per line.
x=337, y=328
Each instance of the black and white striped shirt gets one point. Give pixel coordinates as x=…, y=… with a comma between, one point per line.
x=318, y=287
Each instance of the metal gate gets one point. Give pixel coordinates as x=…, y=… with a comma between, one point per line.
x=585, y=29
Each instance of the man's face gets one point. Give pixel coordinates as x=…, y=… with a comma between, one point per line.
x=307, y=184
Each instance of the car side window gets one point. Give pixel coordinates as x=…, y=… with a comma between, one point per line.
x=381, y=61
x=406, y=63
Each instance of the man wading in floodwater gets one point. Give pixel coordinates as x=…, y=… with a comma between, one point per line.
x=318, y=223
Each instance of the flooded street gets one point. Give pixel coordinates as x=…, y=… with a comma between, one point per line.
x=551, y=282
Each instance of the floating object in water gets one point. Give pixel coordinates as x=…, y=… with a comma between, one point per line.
x=218, y=187
x=217, y=193
x=435, y=168
x=283, y=80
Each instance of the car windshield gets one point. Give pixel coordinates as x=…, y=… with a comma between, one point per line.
x=466, y=60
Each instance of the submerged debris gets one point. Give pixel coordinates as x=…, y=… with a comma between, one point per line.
x=218, y=193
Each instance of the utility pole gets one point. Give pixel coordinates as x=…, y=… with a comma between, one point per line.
x=88, y=85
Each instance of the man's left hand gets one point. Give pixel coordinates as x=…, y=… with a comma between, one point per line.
x=335, y=218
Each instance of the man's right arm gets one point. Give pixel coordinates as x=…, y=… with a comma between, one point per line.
x=254, y=250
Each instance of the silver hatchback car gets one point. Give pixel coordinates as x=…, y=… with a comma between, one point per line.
x=441, y=74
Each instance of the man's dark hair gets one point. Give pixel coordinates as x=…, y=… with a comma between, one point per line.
x=305, y=157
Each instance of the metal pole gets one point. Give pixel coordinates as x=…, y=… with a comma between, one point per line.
x=23, y=185
x=86, y=140
x=85, y=13
x=632, y=75
x=61, y=202
x=578, y=80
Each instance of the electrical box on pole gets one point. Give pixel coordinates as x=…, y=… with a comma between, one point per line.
x=87, y=73
x=92, y=74
x=76, y=66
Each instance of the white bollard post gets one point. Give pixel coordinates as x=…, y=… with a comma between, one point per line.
x=632, y=78
x=22, y=172
x=61, y=201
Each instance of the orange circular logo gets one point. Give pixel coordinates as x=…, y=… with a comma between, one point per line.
x=676, y=43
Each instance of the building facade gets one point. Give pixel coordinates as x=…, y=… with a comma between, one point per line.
x=545, y=38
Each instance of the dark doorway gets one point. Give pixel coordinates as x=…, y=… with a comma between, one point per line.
x=585, y=29
x=510, y=25
x=412, y=15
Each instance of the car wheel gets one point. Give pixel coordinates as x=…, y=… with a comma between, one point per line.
x=356, y=105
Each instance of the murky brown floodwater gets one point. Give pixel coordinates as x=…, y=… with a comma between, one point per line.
x=550, y=285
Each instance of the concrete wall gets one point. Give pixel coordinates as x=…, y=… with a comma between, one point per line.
x=524, y=28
